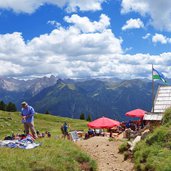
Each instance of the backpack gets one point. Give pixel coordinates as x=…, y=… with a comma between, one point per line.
x=65, y=127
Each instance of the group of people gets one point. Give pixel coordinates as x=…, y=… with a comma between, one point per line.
x=15, y=136
x=134, y=125
x=125, y=128
x=93, y=132
x=18, y=136
x=28, y=112
x=43, y=134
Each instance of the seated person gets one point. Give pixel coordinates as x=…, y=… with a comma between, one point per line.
x=86, y=136
x=38, y=132
x=8, y=137
x=98, y=132
x=128, y=124
x=90, y=132
x=49, y=134
x=133, y=126
x=43, y=134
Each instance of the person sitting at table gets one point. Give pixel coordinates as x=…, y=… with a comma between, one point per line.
x=90, y=132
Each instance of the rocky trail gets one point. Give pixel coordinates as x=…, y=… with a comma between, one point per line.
x=106, y=154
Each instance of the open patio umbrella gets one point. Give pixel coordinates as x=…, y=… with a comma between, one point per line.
x=103, y=122
x=139, y=113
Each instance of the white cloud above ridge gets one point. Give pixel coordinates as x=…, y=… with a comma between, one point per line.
x=133, y=24
x=48, y=54
x=152, y=9
x=30, y=6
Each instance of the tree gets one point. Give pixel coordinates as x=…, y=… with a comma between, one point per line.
x=47, y=112
x=82, y=117
x=2, y=105
x=89, y=118
x=10, y=107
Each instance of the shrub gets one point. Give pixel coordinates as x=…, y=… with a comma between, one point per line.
x=123, y=147
x=159, y=136
x=167, y=117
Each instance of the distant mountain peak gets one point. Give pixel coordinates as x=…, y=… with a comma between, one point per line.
x=60, y=81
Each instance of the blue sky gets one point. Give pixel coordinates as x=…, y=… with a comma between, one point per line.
x=82, y=38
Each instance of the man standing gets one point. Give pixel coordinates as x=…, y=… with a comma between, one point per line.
x=27, y=113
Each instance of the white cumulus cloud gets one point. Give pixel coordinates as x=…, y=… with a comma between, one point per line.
x=159, y=11
x=135, y=5
x=84, y=5
x=30, y=6
x=85, y=25
x=146, y=36
x=133, y=24
x=54, y=23
x=72, y=53
x=159, y=38
x=66, y=52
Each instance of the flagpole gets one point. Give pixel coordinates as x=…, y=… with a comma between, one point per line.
x=152, y=91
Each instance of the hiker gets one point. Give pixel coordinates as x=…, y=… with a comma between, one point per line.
x=27, y=113
x=64, y=129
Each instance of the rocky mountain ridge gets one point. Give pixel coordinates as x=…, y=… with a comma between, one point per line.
x=70, y=98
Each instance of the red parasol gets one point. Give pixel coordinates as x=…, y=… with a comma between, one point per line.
x=139, y=113
x=103, y=123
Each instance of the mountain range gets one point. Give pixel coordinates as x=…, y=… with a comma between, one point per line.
x=69, y=98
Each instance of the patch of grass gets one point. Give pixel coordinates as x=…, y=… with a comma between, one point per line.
x=53, y=155
x=111, y=139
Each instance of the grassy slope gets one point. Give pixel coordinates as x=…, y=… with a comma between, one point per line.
x=55, y=154
x=154, y=153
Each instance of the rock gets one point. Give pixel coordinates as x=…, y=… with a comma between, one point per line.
x=134, y=142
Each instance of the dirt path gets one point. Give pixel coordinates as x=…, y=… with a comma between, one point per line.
x=106, y=154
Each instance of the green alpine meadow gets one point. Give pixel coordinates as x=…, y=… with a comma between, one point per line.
x=54, y=153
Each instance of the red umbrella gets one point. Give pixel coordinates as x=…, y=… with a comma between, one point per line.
x=103, y=123
x=139, y=113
